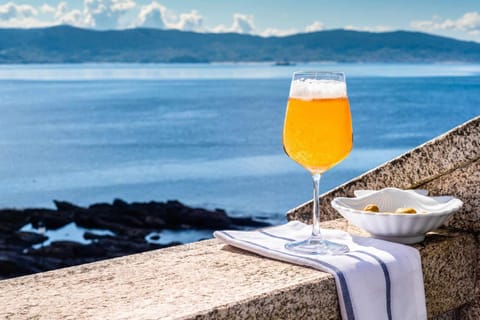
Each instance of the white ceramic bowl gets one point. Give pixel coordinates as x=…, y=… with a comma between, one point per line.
x=398, y=227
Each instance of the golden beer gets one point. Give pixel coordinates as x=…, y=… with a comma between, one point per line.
x=317, y=133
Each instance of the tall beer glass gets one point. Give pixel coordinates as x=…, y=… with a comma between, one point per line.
x=317, y=134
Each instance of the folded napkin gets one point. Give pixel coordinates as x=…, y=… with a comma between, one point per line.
x=376, y=280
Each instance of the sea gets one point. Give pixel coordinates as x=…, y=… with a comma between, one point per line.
x=208, y=135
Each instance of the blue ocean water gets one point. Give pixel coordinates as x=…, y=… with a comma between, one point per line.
x=208, y=135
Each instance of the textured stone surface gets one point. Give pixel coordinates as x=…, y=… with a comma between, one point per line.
x=418, y=167
x=209, y=280
x=199, y=279
x=472, y=311
x=464, y=183
x=447, y=267
x=451, y=315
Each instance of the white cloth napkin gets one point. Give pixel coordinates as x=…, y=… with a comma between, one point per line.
x=376, y=280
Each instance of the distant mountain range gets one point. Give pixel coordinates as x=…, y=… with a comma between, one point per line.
x=68, y=44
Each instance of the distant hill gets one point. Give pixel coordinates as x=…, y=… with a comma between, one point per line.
x=68, y=44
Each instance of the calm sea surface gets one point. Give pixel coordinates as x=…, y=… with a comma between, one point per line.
x=208, y=135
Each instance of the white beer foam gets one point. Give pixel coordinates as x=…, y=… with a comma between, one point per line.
x=309, y=89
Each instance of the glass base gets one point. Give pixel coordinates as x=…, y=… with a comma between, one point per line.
x=317, y=246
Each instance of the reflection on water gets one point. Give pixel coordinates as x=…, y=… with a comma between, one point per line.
x=72, y=232
x=69, y=232
x=184, y=236
x=213, y=170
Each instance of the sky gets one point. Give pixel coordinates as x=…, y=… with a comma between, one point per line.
x=452, y=18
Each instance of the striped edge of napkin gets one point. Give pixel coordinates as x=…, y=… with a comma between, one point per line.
x=376, y=280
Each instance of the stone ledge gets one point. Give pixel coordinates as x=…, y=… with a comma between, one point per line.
x=209, y=280
x=464, y=183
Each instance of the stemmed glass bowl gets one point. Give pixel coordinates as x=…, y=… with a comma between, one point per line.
x=317, y=134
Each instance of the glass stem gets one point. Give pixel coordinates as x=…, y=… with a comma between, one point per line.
x=316, y=206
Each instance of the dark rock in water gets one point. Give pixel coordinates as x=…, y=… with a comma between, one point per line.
x=119, y=203
x=93, y=236
x=103, y=206
x=11, y=219
x=14, y=265
x=29, y=238
x=59, y=249
x=65, y=206
x=130, y=223
x=177, y=213
x=50, y=219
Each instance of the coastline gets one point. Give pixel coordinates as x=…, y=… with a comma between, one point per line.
x=132, y=228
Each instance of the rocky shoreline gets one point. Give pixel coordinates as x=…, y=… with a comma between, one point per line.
x=129, y=224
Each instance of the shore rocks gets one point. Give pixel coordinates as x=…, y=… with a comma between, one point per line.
x=129, y=223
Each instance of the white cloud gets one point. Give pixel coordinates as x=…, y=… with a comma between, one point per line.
x=98, y=14
x=45, y=8
x=315, y=26
x=122, y=5
x=369, y=28
x=436, y=23
x=152, y=15
x=25, y=16
x=24, y=23
x=105, y=14
x=192, y=21
x=242, y=23
x=19, y=16
x=273, y=32
x=469, y=22
x=65, y=16
x=156, y=15
x=10, y=11
x=113, y=14
x=221, y=28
